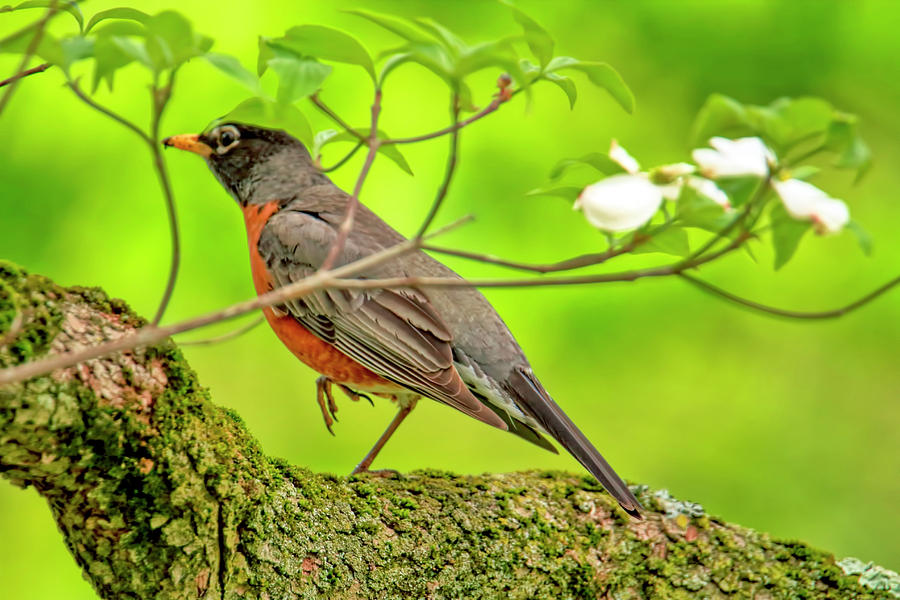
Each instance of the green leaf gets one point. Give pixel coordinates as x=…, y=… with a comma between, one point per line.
x=786, y=234
x=75, y=48
x=720, y=115
x=298, y=77
x=48, y=48
x=109, y=57
x=171, y=40
x=321, y=138
x=803, y=172
x=539, y=41
x=327, y=44
x=392, y=24
x=491, y=54
x=68, y=5
x=787, y=122
x=671, y=240
x=233, y=68
x=599, y=161
x=121, y=28
x=566, y=85
x=390, y=150
x=450, y=40
x=739, y=189
x=268, y=113
x=843, y=139
x=862, y=237
x=567, y=192
x=600, y=74
x=133, y=50
x=131, y=14
x=696, y=210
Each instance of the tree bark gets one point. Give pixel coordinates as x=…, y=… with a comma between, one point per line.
x=161, y=494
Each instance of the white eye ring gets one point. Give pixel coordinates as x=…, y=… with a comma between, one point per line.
x=227, y=137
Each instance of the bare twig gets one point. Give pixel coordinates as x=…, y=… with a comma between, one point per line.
x=160, y=97
x=353, y=202
x=494, y=105
x=791, y=314
x=341, y=162
x=449, y=171
x=314, y=98
x=29, y=52
x=578, y=262
x=25, y=73
x=225, y=336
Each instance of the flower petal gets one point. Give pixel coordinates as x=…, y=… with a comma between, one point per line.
x=708, y=188
x=621, y=156
x=734, y=158
x=620, y=202
x=804, y=201
x=799, y=197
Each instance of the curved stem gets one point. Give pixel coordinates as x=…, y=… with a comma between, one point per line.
x=161, y=98
x=790, y=314
x=343, y=161
x=450, y=170
x=225, y=336
x=109, y=113
x=314, y=98
x=456, y=126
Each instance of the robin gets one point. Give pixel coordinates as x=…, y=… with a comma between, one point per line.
x=449, y=345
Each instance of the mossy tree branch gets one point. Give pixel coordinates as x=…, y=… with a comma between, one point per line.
x=161, y=494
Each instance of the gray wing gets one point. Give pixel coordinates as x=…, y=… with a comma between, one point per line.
x=394, y=333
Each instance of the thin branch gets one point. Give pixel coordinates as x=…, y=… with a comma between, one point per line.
x=314, y=98
x=225, y=336
x=450, y=170
x=578, y=262
x=109, y=113
x=161, y=98
x=25, y=73
x=791, y=314
x=29, y=52
x=737, y=221
x=353, y=202
x=341, y=162
x=494, y=105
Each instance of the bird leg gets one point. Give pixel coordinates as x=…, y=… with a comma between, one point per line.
x=323, y=393
x=405, y=408
x=325, y=398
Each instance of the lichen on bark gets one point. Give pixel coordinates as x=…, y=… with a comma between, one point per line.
x=159, y=493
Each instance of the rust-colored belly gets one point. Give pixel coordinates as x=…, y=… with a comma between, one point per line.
x=316, y=353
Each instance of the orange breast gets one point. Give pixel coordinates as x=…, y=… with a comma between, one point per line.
x=318, y=354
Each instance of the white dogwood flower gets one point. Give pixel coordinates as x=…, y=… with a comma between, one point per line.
x=621, y=156
x=806, y=202
x=620, y=202
x=742, y=157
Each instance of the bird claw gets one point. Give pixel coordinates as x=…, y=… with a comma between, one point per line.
x=325, y=398
x=326, y=401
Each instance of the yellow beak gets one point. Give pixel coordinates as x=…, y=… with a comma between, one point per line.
x=190, y=142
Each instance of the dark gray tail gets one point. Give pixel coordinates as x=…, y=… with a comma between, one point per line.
x=560, y=426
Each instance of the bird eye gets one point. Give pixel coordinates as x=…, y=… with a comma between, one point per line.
x=228, y=137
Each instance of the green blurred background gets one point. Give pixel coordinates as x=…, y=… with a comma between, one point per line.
x=787, y=427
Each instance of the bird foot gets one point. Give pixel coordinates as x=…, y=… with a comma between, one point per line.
x=325, y=398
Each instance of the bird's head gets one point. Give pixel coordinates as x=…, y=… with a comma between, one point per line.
x=254, y=164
